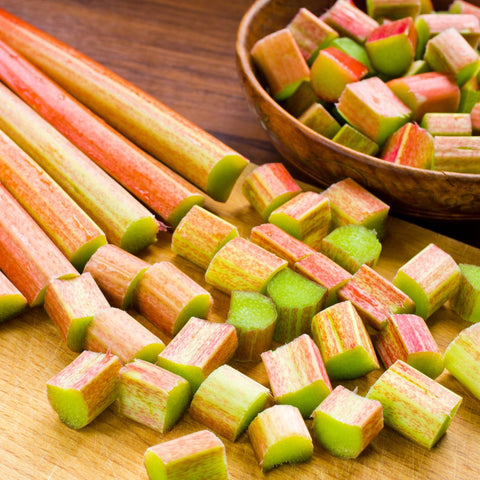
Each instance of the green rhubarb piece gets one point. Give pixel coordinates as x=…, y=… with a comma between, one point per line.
x=447, y=124
x=279, y=435
x=320, y=120
x=352, y=138
x=152, y=396
x=297, y=300
x=254, y=316
x=416, y=67
x=345, y=423
x=413, y=404
x=468, y=99
x=457, y=154
x=380, y=9
x=84, y=388
x=430, y=278
x=12, y=302
x=353, y=49
x=351, y=246
x=227, y=401
x=196, y=456
x=466, y=301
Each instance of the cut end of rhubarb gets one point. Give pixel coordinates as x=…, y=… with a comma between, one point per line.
x=11, y=305
x=223, y=176
x=184, y=207
x=140, y=234
x=83, y=254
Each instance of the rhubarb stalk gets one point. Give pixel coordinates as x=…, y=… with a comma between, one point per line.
x=12, y=302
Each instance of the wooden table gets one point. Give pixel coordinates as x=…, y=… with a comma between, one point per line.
x=182, y=52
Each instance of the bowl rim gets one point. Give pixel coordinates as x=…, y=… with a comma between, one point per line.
x=244, y=61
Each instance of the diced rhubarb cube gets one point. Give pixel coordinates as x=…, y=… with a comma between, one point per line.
x=380, y=9
x=297, y=299
x=279, y=435
x=254, y=317
x=345, y=423
x=71, y=305
x=461, y=6
x=457, y=154
x=447, y=124
x=391, y=47
x=321, y=269
x=410, y=145
x=297, y=374
x=305, y=217
x=466, y=301
x=12, y=302
x=84, y=388
x=196, y=456
x=227, y=401
x=350, y=137
x=371, y=107
x=355, y=50
x=407, y=337
x=242, y=265
x=320, y=120
x=413, y=404
x=200, y=234
x=198, y=349
x=430, y=278
x=332, y=70
x=152, y=395
x=280, y=60
x=427, y=92
x=342, y=338
x=268, y=186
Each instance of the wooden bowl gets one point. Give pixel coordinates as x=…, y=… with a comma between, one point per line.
x=410, y=191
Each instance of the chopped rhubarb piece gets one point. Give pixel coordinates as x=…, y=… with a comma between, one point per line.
x=297, y=374
x=320, y=120
x=461, y=358
x=406, y=337
x=306, y=217
x=71, y=305
x=199, y=348
x=345, y=423
x=371, y=107
x=84, y=388
x=184, y=147
x=168, y=297
x=380, y=9
x=311, y=33
x=460, y=6
x=125, y=221
x=69, y=227
x=410, y=145
x=227, y=401
x=344, y=343
x=374, y=297
x=427, y=92
x=152, y=395
x=448, y=52
x=350, y=203
x=279, y=435
x=466, y=301
x=430, y=278
x=350, y=137
x=468, y=99
x=242, y=265
x=117, y=273
x=280, y=60
x=457, y=154
x=413, y=404
x=196, y=456
x=12, y=302
x=319, y=268
x=355, y=50
x=200, y=235
x=448, y=124
x=351, y=246
x=475, y=119
x=268, y=186
x=158, y=187
x=391, y=47
x=349, y=21
x=278, y=241
x=303, y=97
x=297, y=299
x=254, y=317
x=114, y=330
x=28, y=257
x=332, y=70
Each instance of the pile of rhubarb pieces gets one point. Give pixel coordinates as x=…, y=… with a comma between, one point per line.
x=399, y=81
x=305, y=300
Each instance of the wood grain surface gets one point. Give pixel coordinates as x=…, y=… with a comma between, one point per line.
x=182, y=53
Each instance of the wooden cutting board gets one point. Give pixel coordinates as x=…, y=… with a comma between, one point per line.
x=34, y=444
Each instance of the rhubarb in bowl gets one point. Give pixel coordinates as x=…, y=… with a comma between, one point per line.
x=419, y=192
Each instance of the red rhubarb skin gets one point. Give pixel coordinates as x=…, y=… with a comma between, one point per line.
x=157, y=186
x=27, y=256
x=7, y=287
